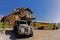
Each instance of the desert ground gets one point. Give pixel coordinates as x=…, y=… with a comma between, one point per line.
x=38, y=35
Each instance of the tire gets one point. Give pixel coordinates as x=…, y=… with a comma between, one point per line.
x=41, y=27
x=56, y=27
x=31, y=35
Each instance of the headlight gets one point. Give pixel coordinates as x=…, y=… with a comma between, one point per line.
x=22, y=30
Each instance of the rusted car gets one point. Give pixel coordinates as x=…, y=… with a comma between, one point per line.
x=22, y=28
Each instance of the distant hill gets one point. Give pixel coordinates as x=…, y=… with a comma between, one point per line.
x=1, y=17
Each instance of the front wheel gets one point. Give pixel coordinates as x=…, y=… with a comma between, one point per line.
x=31, y=35
x=15, y=29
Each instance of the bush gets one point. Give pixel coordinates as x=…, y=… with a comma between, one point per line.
x=4, y=24
x=1, y=24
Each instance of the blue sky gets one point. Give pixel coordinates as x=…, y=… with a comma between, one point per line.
x=44, y=10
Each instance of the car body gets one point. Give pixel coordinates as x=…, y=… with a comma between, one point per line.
x=45, y=25
x=21, y=27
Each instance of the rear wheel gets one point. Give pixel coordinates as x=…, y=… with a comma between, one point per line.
x=53, y=28
x=56, y=27
x=42, y=27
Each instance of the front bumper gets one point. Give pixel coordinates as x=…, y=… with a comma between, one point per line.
x=26, y=32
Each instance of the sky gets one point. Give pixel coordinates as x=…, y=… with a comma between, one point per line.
x=43, y=10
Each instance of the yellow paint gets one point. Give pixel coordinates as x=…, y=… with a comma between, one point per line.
x=45, y=25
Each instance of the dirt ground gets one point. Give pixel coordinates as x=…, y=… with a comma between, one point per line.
x=38, y=35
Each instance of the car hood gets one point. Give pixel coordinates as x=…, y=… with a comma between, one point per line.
x=23, y=25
